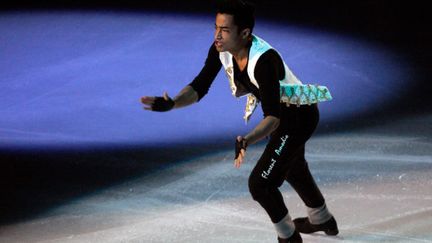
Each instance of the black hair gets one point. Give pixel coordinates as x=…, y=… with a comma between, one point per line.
x=242, y=11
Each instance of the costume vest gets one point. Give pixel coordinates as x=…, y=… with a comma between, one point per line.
x=292, y=91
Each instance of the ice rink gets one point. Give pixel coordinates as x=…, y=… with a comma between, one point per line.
x=377, y=182
x=82, y=162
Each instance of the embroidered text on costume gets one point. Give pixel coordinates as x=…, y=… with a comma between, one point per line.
x=283, y=139
x=265, y=174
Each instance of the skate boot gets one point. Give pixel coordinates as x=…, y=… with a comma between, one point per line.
x=303, y=225
x=295, y=238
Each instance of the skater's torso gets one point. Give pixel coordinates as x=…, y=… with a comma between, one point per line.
x=268, y=71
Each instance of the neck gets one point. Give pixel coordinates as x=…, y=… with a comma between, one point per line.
x=242, y=52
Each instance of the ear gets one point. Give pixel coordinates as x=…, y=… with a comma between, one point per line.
x=245, y=33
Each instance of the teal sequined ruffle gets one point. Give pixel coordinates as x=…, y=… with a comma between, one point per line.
x=303, y=94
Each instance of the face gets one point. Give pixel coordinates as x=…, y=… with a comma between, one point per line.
x=227, y=37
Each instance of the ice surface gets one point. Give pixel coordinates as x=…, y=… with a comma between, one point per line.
x=378, y=187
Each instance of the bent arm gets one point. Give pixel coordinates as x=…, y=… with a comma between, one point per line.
x=269, y=70
x=263, y=129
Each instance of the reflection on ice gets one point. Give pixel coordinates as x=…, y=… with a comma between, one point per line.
x=376, y=195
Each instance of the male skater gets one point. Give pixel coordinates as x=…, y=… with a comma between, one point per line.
x=291, y=115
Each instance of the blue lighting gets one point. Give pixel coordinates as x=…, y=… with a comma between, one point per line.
x=75, y=78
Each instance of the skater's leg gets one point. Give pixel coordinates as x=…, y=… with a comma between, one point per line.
x=269, y=174
x=298, y=174
x=264, y=182
x=299, y=177
x=319, y=217
x=303, y=183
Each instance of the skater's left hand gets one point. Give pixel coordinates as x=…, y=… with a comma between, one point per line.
x=240, y=151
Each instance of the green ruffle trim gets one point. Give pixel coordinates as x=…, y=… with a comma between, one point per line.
x=303, y=94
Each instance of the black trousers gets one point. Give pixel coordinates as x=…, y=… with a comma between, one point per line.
x=284, y=159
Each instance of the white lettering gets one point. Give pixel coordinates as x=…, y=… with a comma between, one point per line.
x=279, y=150
x=265, y=174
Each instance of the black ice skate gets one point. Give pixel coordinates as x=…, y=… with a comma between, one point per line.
x=295, y=238
x=304, y=226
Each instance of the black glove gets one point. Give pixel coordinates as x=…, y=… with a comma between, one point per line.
x=239, y=145
x=161, y=104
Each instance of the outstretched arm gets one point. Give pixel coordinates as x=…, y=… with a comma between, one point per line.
x=191, y=93
x=187, y=96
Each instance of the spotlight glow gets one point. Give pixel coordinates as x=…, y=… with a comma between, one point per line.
x=75, y=78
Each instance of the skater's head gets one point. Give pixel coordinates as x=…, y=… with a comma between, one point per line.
x=241, y=11
x=235, y=21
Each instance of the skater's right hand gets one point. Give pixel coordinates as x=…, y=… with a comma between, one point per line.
x=158, y=103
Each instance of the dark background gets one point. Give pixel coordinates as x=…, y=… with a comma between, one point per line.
x=402, y=25
x=401, y=22
x=36, y=180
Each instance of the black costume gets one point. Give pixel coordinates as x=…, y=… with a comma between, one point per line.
x=284, y=155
